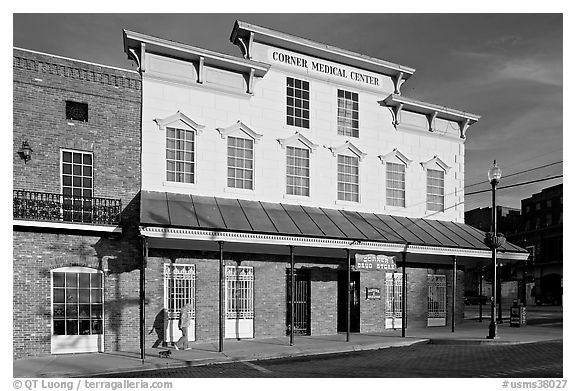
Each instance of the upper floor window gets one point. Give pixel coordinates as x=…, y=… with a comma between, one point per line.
x=348, y=113
x=348, y=178
x=538, y=206
x=297, y=102
x=240, y=163
x=297, y=171
x=548, y=219
x=77, y=111
x=395, y=184
x=434, y=190
x=548, y=203
x=527, y=209
x=77, y=173
x=180, y=155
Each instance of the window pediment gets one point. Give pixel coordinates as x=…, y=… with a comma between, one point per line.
x=298, y=140
x=435, y=163
x=180, y=121
x=348, y=146
x=394, y=156
x=239, y=128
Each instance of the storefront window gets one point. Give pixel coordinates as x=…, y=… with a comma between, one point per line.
x=77, y=302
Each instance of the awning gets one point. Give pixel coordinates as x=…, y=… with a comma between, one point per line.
x=184, y=216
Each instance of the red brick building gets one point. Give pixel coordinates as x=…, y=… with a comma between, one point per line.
x=76, y=179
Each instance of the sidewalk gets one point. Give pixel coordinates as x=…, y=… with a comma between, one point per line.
x=90, y=364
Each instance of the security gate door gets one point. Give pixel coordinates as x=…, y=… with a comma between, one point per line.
x=239, y=302
x=393, y=309
x=179, y=290
x=301, y=301
x=436, y=300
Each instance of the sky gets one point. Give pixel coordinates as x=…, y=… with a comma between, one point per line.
x=505, y=67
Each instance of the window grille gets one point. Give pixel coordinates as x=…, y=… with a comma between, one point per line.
x=435, y=190
x=395, y=184
x=77, y=300
x=297, y=171
x=77, y=111
x=297, y=103
x=436, y=296
x=240, y=163
x=348, y=113
x=179, y=155
x=348, y=178
x=393, y=295
x=239, y=292
x=179, y=289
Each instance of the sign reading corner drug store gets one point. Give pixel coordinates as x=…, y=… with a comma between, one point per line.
x=325, y=69
x=371, y=262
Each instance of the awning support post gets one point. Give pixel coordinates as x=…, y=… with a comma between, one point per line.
x=347, y=295
x=292, y=289
x=220, y=298
x=453, y=292
x=404, y=291
x=143, y=298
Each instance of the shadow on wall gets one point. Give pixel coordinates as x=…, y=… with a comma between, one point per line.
x=159, y=328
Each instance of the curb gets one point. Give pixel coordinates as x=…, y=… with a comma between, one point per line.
x=479, y=341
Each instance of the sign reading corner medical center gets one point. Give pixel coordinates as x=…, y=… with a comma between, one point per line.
x=325, y=69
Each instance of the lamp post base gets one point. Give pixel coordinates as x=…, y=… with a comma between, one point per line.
x=492, y=331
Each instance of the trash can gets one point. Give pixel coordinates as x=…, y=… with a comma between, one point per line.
x=517, y=315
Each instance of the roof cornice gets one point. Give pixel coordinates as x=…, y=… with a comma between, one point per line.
x=134, y=43
x=243, y=34
x=430, y=110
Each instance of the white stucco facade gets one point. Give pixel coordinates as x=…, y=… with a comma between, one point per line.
x=215, y=103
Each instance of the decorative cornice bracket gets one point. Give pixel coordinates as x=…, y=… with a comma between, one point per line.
x=431, y=117
x=398, y=81
x=464, y=127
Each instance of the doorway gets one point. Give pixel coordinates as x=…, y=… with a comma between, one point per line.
x=301, y=301
x=354, y=301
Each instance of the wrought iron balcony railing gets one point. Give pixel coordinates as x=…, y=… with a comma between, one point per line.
x=33, y=205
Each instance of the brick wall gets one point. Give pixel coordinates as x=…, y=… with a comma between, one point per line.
x=270, y=294
x=41, y=86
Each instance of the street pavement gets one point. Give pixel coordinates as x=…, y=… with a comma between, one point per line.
x=470, y=333
x=540, y=359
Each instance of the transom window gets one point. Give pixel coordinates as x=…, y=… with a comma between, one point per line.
x=348, y=178
x=297, y=102
x=348, y=113
x=77, y=303
x=435, y=190
x=297, y=171
x=240, y=163
x=179, y=155
x=395, y=184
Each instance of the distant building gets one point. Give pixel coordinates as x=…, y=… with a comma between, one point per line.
x=541, y=235
x=537, y=227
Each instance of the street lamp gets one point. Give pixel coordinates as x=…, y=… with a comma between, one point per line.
x=494, y=241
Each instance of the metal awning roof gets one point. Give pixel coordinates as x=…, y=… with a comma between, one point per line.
x=278, y=220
